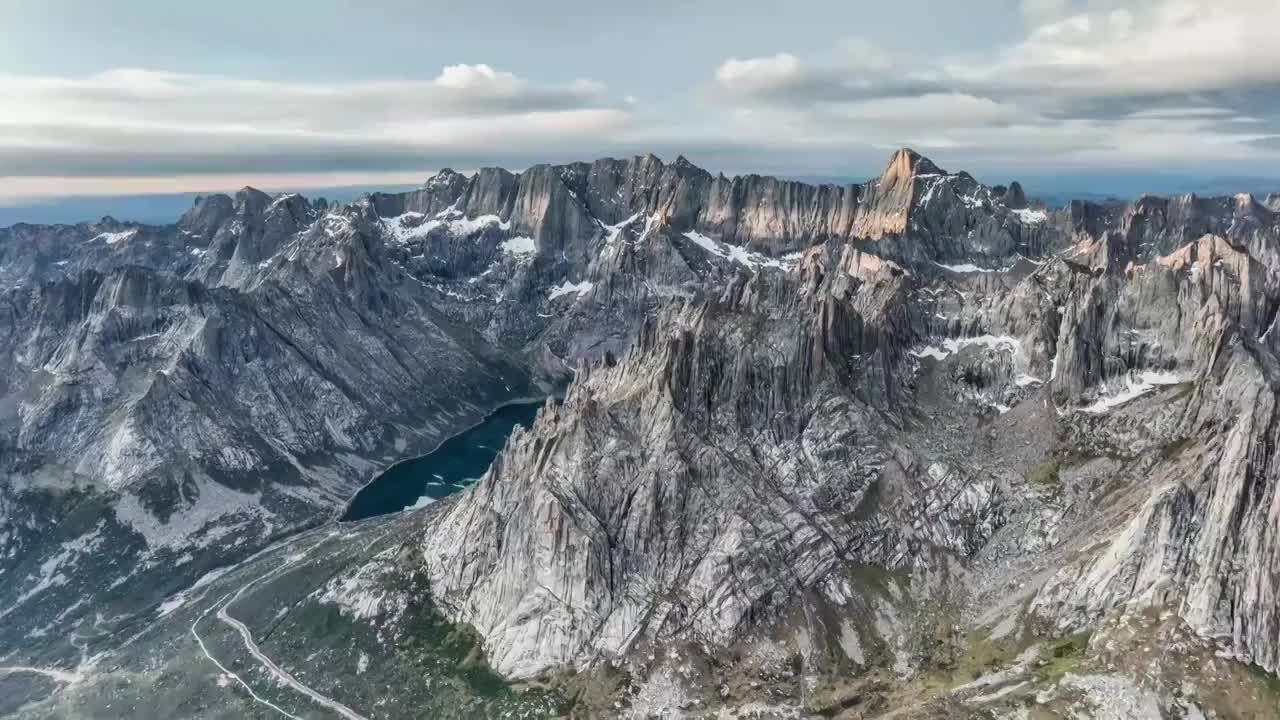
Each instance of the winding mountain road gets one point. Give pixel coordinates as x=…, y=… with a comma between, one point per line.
x=283, y=675
x=286, y=678
x=223, y=612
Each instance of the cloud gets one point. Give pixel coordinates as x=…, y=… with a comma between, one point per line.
x=1154, y=49
x=478, y=77
x=1147, y=49
x=1038, y=11
x=1146, y=81
x=1267, y=141
x=760, y=74
x=857, y=69
x=1181, y=112
x=956, y=109
x=27, y=190
x=1102, y=83
x=132, y=121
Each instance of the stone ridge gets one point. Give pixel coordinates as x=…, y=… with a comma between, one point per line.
x=561, y=207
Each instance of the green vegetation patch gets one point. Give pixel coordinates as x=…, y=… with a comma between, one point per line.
x=984, y=654
x=1063, y=655
x=1268, y=684
x=1183, y=390
x=454, y=650
x=1046, y=474
x=1174, y=450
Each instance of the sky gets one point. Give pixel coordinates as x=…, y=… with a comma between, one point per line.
x=132, y=97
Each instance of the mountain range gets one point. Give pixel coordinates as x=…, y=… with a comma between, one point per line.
x=914, y=447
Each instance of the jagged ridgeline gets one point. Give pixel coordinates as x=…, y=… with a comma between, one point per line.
x=918, y=445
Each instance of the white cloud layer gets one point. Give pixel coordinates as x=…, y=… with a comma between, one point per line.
x=758, y=74
x=1161, y=46
x=1156, y=81
x=1090, y=83
x=113, y=121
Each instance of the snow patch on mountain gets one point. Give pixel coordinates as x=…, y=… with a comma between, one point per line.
x=612, y=231
x=404, y=227
x=111, y=238
x=333, y=224
x=566, y=287
x=1136, y=384
x=519, y=246
x=739, y=254
x=966, y=268
x=950, y=346
x=465, y=226
x=412, y=225
x=1031, y=217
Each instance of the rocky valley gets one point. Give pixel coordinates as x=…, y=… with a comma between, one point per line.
x=915, y=448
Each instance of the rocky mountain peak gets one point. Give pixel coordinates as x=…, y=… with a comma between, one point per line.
x=906, y=164
x=1014, y=198
x=1245, y=201
x=683, y=165
x=648, y=163
x=447, y=183
x=251, y=201
x=291, y=208
x=207, y=213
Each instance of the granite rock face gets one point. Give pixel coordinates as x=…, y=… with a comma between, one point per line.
x=732, y=422
x=1203, y=541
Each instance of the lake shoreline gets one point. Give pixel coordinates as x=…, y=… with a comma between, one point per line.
x=377, y=474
